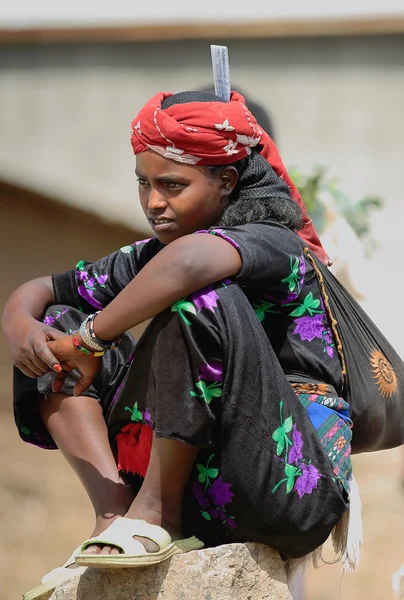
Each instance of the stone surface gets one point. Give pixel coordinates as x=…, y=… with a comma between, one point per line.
x=230, y=572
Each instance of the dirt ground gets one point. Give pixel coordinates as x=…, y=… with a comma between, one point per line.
x=44, y=513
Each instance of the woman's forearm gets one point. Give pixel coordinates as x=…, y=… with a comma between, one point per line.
x=28, y=301
x=184, y=266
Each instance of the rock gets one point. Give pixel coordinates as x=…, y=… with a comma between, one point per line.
x=230, y=572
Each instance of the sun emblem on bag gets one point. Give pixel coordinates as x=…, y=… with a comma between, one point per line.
x=384, y=373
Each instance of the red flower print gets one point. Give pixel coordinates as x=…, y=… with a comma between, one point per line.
x=134, y=447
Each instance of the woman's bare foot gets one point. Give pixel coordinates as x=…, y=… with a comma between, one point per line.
x=150, y=510
x=118, y=508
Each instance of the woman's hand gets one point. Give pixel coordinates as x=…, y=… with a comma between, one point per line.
x=70, y=358
x=28, y=340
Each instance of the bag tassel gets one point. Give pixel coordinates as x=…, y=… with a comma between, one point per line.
x=347, y=535
x=347, y=538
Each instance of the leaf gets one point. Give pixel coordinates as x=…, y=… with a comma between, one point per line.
x=290, y=484
x=278, y=434
x=25, y=430
x=188, y=307
x=290, y=470
x=298, y=312
x=280, y=446
x=288, y=425
x=80, y=265
x=212, y=473
x=216, y=392
x=206, y=515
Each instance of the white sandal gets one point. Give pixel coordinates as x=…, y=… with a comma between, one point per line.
x=133, y=553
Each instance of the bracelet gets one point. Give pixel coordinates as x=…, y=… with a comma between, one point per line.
x=77, y=345
x=105, y=345
x=86, y=337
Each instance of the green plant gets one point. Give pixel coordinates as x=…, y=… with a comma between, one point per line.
x=314, y=185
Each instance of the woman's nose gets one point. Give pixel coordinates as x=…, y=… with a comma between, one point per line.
x=156, y=200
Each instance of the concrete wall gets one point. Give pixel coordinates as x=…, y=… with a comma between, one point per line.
x=65, y=112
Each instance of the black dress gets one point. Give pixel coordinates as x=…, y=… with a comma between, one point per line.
x=246, y=369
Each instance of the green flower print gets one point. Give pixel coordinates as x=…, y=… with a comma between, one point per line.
x=183, y=306
x=310, y=305
x=136, y=415
x=263, y=308
x=207, y=392
x=300, y=476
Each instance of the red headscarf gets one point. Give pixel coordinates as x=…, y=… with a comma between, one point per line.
x=213, y=133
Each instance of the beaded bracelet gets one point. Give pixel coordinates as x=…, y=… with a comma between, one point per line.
x=87, y=339
x=78, y=346
x=106, y=345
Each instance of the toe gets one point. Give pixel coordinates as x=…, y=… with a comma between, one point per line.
x=95, y=549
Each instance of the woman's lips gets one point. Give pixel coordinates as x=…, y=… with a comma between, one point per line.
x=161, y=224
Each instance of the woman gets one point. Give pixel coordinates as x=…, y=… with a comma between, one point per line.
x=224, y=422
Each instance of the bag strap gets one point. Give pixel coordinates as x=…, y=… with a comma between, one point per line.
x=333, y=320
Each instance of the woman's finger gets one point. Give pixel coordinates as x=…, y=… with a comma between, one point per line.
x=83, y=383
x=45, y=354
x=26, y=370
x=40, y=364
x=58, y=381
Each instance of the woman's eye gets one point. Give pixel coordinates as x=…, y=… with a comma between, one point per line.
x=142, y=182
x=174, y=184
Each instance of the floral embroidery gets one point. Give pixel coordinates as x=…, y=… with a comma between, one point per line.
x=209, y=384
x=25, y=430
x=213, y=496
x=205, y=298
x=207, y=392
x=142, y=241
x=263, y=308
x=301, y=477
x=295, y=279
x=134, y=442
x=127, y=249
x=89, y=284
x=183, y=306
x=309, y=304
x=49, y=320
x=221, y=233
x=309, y=328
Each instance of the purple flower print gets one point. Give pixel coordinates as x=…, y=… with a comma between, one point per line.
x=307, y=481
x=49, y=320
x=82, y=275
x=309, y=328
x=302, y=269
x=200, y=495
x=88, y=295
x=147, y=418
x=205, y=298
x=212, y=371
x=143, y=241
x=102, y=279
x=231, y=522
x=295, y=453
x=221, y=233
x=330, y=351
x=219, y=492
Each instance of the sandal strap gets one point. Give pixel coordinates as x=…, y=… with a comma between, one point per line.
x=121, y=532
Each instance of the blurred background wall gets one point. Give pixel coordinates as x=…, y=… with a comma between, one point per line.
x=334, y=88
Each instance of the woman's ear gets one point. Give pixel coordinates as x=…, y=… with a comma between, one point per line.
x=229, y=178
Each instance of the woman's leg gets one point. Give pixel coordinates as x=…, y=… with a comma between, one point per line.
x=160, y=498
x=77, y=426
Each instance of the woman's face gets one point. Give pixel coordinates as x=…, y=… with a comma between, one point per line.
x=179, y=199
